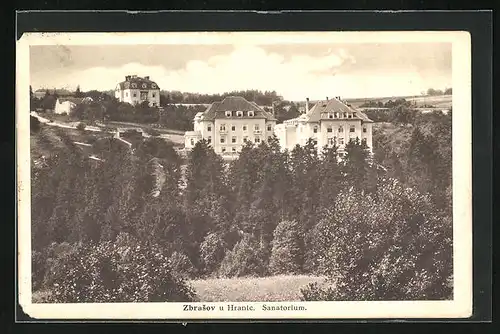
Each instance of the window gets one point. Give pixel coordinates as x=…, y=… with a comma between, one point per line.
x=330, y=116
x=331, y=141
x=250, y=113
x=351, y=129
x=364, y=129
x=233, y=140
x=192, y=142
x=126, y=94
x=244, y=128
x=329, y=129
x=363, y=141
x=239, y=113
x=154, y=95
x=350, y=115
x=341, y=141
x=135, y=94
x=223, y=149
x=336, y=115
x=341, y=129
x=269, y=128
x=345, y=115
x=257, y=139
x=245, y=139
x=233, y=149
x=228, y=114
x=209, y=128
x=256, y=127
x=153, y=85
x=209, y=139
x=222, y=140
x=315, y=130
x=154, y=104
x=233, y=127
x=223, y=127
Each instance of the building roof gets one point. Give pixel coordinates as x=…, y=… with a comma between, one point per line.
x=135, y=82
x=75, y=100
x=322, y=108
x=234, y=104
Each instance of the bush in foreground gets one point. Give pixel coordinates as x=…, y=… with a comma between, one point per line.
x=391, y=245
x=286, y=254
x=121, y=271
x=245, y=259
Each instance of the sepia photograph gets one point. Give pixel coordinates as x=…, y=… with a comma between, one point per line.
x=245, y=175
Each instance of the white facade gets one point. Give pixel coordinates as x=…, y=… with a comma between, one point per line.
x=65, y=105
x=327, y=123
x=136, y=90
x=229, y=124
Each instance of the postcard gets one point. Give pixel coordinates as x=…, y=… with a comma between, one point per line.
x=244, y=175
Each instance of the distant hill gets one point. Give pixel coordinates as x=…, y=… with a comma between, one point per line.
x=438, y=101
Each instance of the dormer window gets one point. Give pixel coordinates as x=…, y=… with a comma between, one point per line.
x=341, y=129
x=134, y=85
x=228, y=113
x=345, y=115
x=336, y=115
x=351, y=129
x=239, y=113
x=153, y=85
x=251, y=113
x=350, y=115
x=330, y=116
x=144, y=85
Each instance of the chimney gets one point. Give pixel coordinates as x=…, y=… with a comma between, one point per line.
x=127, y=78
x=307, y=104
x=327, y=98
x=147, y=78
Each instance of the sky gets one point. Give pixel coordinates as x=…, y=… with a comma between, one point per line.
x=295, y=71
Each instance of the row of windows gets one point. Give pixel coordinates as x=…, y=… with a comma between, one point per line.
x=352, y=128
x=340, y=115
x=135, y=94
x=234, y=140
x=250, y=113
x=134, y=85
x=244, y=127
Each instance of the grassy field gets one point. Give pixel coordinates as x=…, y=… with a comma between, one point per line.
x=269, y=289
x=440, y=101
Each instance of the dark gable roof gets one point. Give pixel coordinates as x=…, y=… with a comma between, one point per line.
x=322, y=108
x=234, y=104
x=140, y=83
x=75, y=100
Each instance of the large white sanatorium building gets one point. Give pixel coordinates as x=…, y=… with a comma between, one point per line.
x=136, y=90
x=328, y=122
x=229, y=124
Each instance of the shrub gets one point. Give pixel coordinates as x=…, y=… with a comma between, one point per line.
x=287, y=250
x=122, y=271
x=34, y=124
x=182, y=265
x=81, y=126
x=152, y=132
x=212, y=251
x=245, y=259
x=390, y=245
x=64, y=114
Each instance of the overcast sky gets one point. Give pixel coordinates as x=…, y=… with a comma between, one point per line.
x=294, y=71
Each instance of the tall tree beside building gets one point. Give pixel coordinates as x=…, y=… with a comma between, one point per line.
x=78, y=92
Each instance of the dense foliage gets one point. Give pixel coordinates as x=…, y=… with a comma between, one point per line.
x=378, y=226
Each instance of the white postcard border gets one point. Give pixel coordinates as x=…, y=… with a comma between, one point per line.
x=459, y=307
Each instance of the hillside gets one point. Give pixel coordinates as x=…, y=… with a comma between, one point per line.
x=440, y=101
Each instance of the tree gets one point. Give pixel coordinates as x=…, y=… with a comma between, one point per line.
x=287, y=255
x=392, y=246
x=78, y=93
